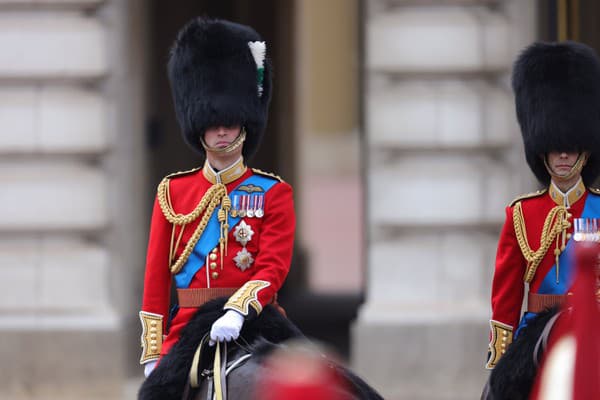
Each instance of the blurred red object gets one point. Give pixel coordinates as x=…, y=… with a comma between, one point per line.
x=571, y=368
x=296, y=372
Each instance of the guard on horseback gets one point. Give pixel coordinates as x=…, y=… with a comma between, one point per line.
x=557, y=93
x=223, y=229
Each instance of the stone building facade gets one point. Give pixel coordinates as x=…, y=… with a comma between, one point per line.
x=71, y=156
x=444, y=159
x=441, y=157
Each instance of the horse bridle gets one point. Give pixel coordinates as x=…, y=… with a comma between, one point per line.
x=217, y=377
x=542, y=342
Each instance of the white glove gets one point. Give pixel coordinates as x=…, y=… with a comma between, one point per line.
x=227, y=327
x=149, y=367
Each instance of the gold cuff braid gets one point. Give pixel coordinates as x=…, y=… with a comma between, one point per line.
x=502, y=336
x=151, y=340
x=247, y=296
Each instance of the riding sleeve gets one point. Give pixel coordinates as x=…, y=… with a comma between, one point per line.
x=507, y=291
x=157, y=282
x=274, y=253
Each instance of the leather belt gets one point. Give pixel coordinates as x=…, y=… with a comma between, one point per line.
x=539, y=302
x=195, y=297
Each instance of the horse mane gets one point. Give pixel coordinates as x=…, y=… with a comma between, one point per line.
x=357, y=385
x=169, y=378
x=514, y=375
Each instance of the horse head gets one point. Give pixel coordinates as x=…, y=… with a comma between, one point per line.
x=242, y=364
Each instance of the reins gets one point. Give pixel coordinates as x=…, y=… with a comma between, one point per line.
x=217, y=377
x=542, y=341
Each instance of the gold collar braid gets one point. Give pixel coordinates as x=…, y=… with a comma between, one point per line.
x=209, y=202
x=227, y=175
x=555, y=228
x=570, y=197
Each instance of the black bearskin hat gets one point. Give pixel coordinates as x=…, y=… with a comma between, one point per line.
x=557, y=95
x=220, y=77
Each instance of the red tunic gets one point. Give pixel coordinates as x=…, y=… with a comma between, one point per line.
x=270, y=246
x=508, y=287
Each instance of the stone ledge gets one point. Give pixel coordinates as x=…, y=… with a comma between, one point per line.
x=52, y=120
x=61, y=364
x=52, y=195
x=439, y=113
x=99, y=320
x=409, y=190
x=66, y=45
x=450, y=39
x=46, y=274
x=422, y=361
x=50, y=4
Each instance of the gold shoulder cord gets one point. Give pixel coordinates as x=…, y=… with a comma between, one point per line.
x=261, y=172
x=211, y=199
x=556, y=224
x=528, y=196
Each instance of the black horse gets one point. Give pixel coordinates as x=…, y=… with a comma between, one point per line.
x=259, y=338
x=514, y=375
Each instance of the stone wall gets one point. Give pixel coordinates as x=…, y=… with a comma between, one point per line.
x=65, y=86
x=444, y=158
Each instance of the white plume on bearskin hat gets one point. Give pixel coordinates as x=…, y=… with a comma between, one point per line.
x=220, y=76
x=557, y=95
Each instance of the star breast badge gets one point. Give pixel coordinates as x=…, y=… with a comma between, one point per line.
x=243, y=233
x=243, y=259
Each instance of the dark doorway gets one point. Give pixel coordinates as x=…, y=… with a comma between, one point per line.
x=577, y=20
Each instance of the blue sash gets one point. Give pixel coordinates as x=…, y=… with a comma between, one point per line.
x=210, y=236
x=591, y=209
x=566, y=272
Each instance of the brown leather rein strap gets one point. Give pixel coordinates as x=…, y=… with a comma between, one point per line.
x=195, y=297
x=537, y=303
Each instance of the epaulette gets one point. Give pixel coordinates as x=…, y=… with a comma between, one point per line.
x=528, y=196
x=260, y=172
x=594, y=190
x=180, y=173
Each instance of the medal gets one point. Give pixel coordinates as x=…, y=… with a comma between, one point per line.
x=243, y=233
x=243, y=259
x=251, y=204
x=259, y=213
x=242, y=212
x=235, y=206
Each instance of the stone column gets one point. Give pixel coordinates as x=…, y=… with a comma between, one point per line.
x=443, y=152
x=62, y=202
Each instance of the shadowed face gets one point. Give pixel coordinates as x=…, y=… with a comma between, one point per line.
x=561, y=163
x=221, y=136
